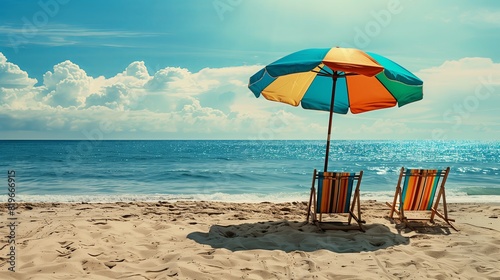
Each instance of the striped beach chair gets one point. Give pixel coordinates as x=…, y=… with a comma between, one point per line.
x=337, y=193
x=420, y=191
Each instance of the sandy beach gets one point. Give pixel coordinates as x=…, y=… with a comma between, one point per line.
x=216, y=240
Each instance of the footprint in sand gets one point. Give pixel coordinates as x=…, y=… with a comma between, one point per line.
x=310, y=265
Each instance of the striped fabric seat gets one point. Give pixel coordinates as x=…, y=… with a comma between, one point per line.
x=337, y=193
x=421, y=190
x=334, y=192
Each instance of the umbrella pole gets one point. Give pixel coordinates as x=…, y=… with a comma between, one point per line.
x=330, y=120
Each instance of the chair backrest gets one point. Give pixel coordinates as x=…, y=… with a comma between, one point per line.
x=420, y=187
x=334, y=191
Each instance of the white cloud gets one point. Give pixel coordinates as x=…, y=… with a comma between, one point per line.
x=138, y=70
x=64, y=30
x=466, y=72
x=67, y=86
x=113, y=97
x=174, y=80
x=472, y=83
x=237, y=76
x=12, y=77
x=17, y=90
x=63, y=34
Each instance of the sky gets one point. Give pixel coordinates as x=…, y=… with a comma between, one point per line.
x=166, y=69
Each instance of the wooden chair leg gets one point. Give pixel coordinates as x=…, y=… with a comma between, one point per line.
x=309, y=205
x=447, y=220
x=393, y=205
x=313, y=194
x=396, y=194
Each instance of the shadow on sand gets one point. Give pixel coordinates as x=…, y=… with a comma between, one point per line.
x=297, y=236
x=421, y=227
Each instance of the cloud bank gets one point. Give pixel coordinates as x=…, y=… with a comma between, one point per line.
x=170, y=103
x=215, y=103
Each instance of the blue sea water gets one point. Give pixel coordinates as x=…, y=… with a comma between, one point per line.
x=250, y=171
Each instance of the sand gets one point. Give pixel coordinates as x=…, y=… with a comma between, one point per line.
x=216, y=240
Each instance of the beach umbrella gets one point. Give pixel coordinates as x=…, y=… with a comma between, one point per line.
x=337, y=80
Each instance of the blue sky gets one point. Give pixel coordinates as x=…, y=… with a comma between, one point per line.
x=74, y=69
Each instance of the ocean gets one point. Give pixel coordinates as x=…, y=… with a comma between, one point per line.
x=234, y=170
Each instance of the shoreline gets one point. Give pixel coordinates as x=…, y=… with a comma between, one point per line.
x=220, y=197
x=222, y=240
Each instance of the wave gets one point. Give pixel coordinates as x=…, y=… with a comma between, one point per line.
x=481, y=191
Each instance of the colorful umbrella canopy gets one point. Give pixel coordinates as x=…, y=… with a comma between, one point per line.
x=337, y=80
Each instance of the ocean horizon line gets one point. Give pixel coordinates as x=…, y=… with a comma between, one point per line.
x=262, y=140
